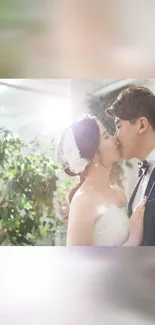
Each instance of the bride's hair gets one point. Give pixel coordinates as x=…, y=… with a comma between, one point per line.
x=86, y=133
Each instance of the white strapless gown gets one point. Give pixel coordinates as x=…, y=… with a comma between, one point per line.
x=112, y=228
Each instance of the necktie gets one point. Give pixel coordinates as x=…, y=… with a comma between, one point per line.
x=143, y=168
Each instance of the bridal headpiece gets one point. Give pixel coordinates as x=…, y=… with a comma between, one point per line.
x=69, y=155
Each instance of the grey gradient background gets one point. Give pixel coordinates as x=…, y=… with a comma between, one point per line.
x=76, y=286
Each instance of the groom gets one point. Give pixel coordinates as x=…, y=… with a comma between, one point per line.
x=134, y=112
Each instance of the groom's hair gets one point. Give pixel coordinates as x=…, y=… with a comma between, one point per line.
x=133, y=103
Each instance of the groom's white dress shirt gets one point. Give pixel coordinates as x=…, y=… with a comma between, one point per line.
x=144, y=182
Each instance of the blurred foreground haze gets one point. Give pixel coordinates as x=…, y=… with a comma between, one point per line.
x=76, y=38
x=76, y=285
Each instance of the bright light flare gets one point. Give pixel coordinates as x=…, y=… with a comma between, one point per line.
x=57, y=115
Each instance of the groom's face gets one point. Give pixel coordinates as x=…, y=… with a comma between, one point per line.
x=126, y=133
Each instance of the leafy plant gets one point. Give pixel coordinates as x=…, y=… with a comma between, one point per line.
x=28, y=182
x=61, y=202
x=63, y=189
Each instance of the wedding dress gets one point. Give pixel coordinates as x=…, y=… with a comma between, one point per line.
x=112, y=227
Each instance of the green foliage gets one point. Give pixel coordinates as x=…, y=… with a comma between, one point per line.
x=28, y=179
x=63, y=189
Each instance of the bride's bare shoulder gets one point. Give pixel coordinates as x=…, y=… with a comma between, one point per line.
x=82, y=200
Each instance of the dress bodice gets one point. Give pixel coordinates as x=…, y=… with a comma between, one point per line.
x=112, y=227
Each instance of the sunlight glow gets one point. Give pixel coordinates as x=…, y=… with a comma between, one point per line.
x=57, y=115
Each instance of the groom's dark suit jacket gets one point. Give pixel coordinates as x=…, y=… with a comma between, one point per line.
x=149, y=217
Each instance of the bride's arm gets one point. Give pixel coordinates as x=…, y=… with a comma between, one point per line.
x=81, y=222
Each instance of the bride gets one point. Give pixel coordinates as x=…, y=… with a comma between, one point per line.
x=98, y=214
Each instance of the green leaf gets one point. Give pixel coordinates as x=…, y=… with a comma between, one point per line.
x=30, y=184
